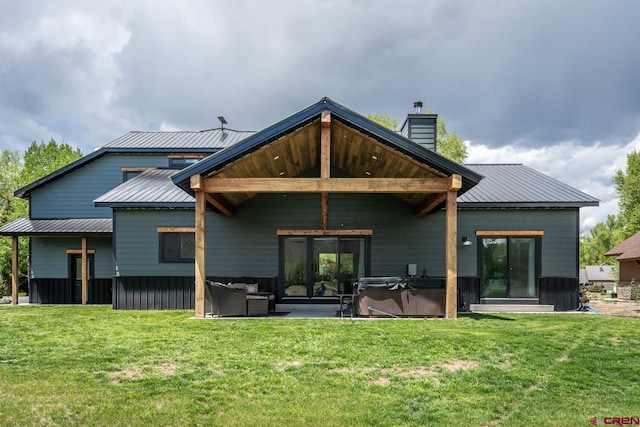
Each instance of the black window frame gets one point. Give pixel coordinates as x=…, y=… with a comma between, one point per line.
x=163, y=259
x=183, y=162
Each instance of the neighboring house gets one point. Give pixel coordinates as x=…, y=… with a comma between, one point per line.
x=303, y=207
x=603, y=275
x=628, y=255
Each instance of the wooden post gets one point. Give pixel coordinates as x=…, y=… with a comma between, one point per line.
x=85, y=275
x=325, y=165
x=451, y=299
x=15, y=268
x=200, y=255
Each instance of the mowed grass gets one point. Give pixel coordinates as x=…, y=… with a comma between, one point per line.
x=74, y=365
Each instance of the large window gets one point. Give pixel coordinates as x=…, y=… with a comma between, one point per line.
x=509, y=266
x=177, y=246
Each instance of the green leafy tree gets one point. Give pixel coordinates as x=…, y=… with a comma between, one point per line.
x=601, y=238
x=448, y=144
x=41, y=159
x=16, y=171
x=385, y=121
x=627, y=184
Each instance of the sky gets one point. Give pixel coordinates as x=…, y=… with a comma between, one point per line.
x=551, y=84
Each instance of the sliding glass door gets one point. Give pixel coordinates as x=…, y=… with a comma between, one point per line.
x=316, y=267
x=509, y=267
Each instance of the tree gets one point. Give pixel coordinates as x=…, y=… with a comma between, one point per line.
x=15, y=172
x=42, y=159
x=448, y=144
x=628, y=188
x=601, y=238
x=385, y=121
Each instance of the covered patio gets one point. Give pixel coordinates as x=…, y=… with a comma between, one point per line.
x=326, y=149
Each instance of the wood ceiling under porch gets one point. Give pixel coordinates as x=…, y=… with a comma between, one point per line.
x=323, y=143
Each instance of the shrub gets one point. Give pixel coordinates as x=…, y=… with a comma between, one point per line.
x=596, y=288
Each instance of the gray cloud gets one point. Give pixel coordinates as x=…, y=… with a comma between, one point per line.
x=520, y=74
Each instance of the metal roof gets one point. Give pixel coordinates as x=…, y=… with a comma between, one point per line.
x=504, y=185
x=343, y=114
x=57, y=227
x=215, y=139
x=206, y=141
x=516, y=185
x=152, y=188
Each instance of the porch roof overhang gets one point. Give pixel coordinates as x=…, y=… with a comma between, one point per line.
x=59, y=227
x=370, y=159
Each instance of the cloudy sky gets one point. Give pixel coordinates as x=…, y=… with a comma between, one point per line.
x=551, y=84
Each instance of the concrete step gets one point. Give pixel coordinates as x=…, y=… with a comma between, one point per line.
x=511, y=308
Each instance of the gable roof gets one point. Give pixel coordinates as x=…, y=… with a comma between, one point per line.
x=339, y=114
x=600, y=273
x=152, y=188
x=206, y=141
x=629, y=249
x=517, y=185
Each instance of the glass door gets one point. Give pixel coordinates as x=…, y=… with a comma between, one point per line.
x=317, y=267
x=509, y=267
x=75, y=273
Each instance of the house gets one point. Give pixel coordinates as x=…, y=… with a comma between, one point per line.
x=302, y=207
x=603, y=275
x=628, y=255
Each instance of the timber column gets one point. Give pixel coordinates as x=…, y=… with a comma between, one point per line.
x=14, y=272
x=451, y=299
x=200, y=255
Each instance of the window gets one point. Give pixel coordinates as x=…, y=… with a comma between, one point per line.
x=129, y=173
x=177, y=246
x=180, y=161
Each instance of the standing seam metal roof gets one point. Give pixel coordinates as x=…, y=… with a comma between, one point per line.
x=74, y=226
x=152, y=188
x=519, y=185
x=206, y=141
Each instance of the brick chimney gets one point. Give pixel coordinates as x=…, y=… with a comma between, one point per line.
x=420, y=128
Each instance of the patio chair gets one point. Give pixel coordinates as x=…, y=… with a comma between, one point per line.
x=226, y=301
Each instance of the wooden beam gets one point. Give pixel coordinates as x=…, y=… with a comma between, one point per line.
x=221, y=203
x=79, y=251
x=15, y=268
x=325, y=145
x=451, y=300
x=490, y=233
x=324, y=211
x=85, y=273
x=200, y=255
x=325, y=185
x=325, y=165
x=325, y=232
x=176, y=229
x=430, y=203
x=455, y=182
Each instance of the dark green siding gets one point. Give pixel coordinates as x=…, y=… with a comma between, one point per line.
x=559, y=243
x=72, y=195
x=49, y=258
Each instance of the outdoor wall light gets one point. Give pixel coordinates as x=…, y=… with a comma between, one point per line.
x=466, y=241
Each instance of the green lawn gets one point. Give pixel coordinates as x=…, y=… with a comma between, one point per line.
x=73, y=365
